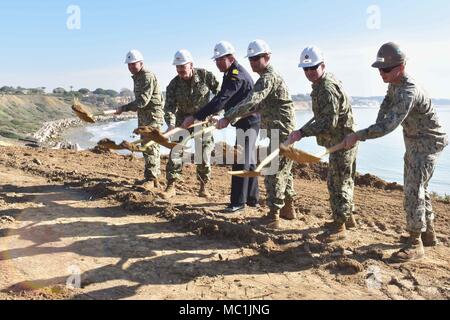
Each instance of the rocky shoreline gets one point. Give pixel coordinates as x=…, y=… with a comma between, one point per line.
x=50, y=133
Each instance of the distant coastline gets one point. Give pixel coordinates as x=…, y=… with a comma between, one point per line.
x=303, y=102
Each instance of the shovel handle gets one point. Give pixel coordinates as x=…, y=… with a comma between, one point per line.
x=267, y=160
x=236, y=173
x=198, y=134
x=176, y=130
x=334, y=149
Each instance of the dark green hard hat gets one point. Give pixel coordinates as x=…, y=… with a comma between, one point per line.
x=389, y=55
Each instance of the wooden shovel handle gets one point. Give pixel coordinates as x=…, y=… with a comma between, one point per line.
x=176, y=130
x=337, y=147
x=267, y=160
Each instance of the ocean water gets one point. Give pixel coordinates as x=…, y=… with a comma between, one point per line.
x=381, y=157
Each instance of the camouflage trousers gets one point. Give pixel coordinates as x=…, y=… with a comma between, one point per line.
x=152, y=163
x=341, y=183
x=202, y=159
x=418, y=170
x=152, y=160
x=280, y=185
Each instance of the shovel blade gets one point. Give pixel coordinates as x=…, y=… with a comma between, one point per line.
x=125, y=145
x=82, y=113
x=108, y=144
x=152, y=134
x=298, y=156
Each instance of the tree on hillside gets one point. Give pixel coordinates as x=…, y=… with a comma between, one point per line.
x=59, y=90
x=7, y=90
x=125, y=92
x=112, y=93
x=39, y=90
x=84, y=91
x=100, y=91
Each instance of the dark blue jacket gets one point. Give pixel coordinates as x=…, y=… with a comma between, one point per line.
x=236, y=86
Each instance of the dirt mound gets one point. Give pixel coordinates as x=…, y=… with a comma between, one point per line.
x=369, y=180
x=84, y=208
x=57, y=292
x=319, y=171
x=346, y=266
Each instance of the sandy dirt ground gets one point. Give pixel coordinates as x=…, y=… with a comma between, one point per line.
x=74, y=226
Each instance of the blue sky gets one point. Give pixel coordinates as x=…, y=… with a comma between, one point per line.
x=39, y=50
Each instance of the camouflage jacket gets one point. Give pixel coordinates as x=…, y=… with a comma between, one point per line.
x=185, y=98
x=408, y=105
x=332, y=112
x=271, y=98
x=149, y=100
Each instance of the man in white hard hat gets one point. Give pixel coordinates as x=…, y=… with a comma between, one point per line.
x=408, y=105
x=185, y=95
x=333, y=120
x=270, y=98
x=148, y=104
x=237, y=85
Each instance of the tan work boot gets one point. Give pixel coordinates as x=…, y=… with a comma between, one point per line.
x=412, y=251
x=203, y=193
x=351, y=222
x=148, y=184
x=170, y=190
x=288, y=212
x=273, y=219
x=336, y=231
x=429, y=238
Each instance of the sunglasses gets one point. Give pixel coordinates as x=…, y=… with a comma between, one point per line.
x=255, y=58
x=314, y=68
x=387, y=70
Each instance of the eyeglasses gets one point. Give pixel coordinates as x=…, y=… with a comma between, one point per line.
x=387, y=70
x=314, y=68
x=255, y=58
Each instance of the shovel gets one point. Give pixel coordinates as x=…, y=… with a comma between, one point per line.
x=197, y=134
x=162, y=138
x=82, y=112
x=257, y=172
x=109, y=144
x=304, y=157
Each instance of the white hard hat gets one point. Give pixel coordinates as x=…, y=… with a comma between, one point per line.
x=257, y=47
x=223, y=48
x=182, y=57
x=134, y=56
x=311, y=56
